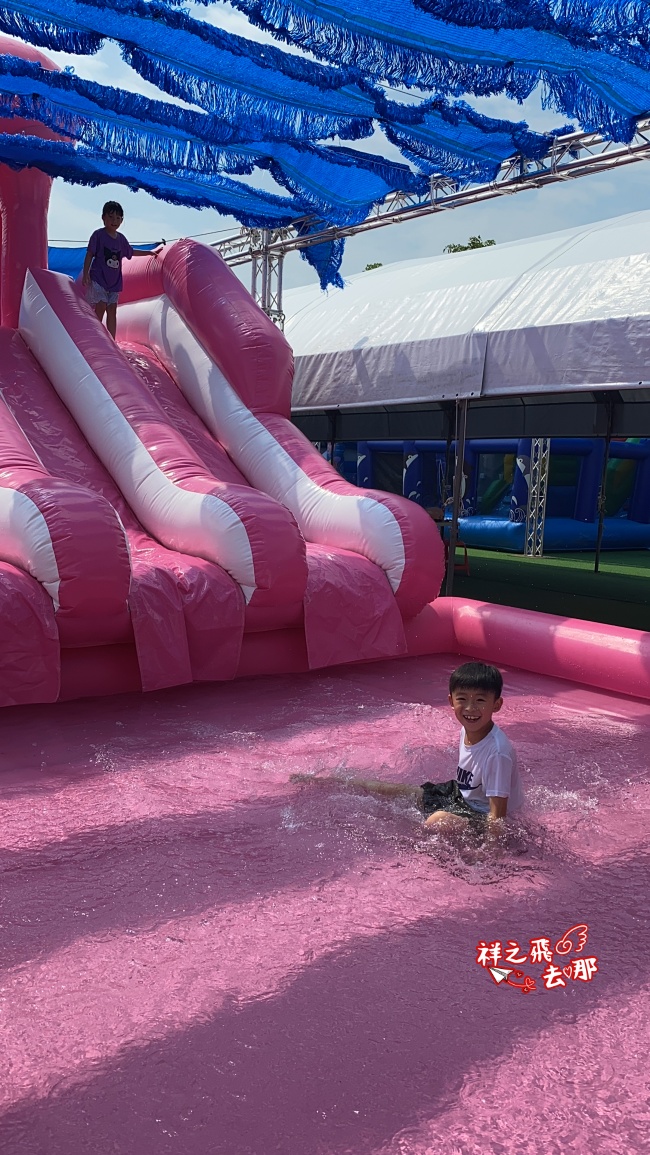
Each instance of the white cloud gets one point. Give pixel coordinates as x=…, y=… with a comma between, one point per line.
x=221, y=15
x=530, y=110
x=107, y=67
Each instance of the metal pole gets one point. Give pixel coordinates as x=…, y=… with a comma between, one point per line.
x=254, y=278
x=603, y=483
x=278, y=315
x=540, y=456
x=450, y=437
x=461, y=428
x=264, y=296
x=332, y=417
x=266, y=279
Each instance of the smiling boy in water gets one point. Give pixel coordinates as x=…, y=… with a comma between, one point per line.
x=487, y=784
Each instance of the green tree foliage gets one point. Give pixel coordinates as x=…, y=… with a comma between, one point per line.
x=375, y=265
x=473, y=243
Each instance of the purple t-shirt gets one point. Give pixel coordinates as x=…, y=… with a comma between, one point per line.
x=108, y=252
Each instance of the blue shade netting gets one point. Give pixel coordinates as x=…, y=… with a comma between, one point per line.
x=602, y=82
x=259, y=108
x=339, y=184
x=390, y=40
x=252, y=207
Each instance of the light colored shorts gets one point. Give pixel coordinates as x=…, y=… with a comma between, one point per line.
x=95, y=294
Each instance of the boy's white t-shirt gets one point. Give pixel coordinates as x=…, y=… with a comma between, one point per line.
x=489, y=770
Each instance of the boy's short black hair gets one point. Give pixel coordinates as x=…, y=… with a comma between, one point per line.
x=112, y=207
x=477, y=676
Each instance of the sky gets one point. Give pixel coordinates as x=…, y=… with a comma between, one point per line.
x=76, y=211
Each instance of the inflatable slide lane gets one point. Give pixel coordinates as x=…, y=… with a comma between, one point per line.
x=373, y=559
x=69, y=539
x=181, y=619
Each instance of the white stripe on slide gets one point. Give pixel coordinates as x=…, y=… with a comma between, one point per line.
x=360, y=524
x=195, y=523
x=25, y=540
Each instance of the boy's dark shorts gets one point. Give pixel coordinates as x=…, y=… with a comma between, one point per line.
x=447, y=796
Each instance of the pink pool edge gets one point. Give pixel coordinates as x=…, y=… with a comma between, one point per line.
x=607, y=657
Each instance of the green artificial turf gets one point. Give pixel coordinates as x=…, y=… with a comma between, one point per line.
x=563, y=584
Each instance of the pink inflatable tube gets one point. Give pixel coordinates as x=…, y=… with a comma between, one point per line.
x=251, y=536
x=102, y=671
x=24, y=198
x=30, y=670
x=591, y=654
x=235, y=369
x=605, y=657
x=252, y=352
x=68, y=538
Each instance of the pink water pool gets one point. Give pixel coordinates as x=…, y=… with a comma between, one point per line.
x=201, y=958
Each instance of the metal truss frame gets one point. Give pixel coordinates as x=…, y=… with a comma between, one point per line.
x=575, y=155
x=540, y=457
x=462, y=406
x=266, y=279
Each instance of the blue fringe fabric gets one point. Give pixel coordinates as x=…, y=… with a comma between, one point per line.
x=197, y=63
x=603, y=84
x=325, y=258
x=604, y=24
x=252, y=207
x=259, y=107
x=392, y=40
x=76, y=97
x=338, y=184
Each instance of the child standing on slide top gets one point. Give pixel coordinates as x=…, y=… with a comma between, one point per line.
x=487, y=785
x=102, y=271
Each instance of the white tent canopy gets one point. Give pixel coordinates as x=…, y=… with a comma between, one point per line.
x=567, y=310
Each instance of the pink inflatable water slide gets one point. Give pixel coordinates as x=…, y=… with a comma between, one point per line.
x=163, y=522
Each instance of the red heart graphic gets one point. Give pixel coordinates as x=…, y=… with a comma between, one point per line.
x=567, y=971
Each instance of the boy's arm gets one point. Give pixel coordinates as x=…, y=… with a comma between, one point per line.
x=145, y=252
x=497, y=777
x=496, y=827
x=367, y=785
x=85, y=276
x=498, y=808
